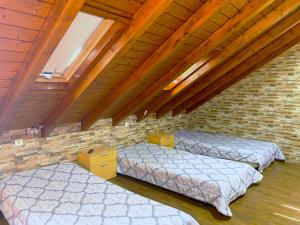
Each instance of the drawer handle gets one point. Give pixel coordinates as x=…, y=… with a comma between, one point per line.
x=105, y=164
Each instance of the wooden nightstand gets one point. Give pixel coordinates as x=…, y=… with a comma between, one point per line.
x=162, y=138
x=102, y=161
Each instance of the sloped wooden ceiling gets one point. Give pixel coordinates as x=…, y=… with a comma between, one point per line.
x=151, y=43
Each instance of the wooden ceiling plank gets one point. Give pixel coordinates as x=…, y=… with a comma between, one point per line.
x=11, y=56
x=237, y=74
x=267, y=38
x=207, y=46
x=32, y=7
x=17, y=33
x=10, y=66
x=199, y=18
x=18, y=19
x=169, y=21
x=178, y=11
x=3, y=92
x=8, y=75
x=44, y=86
x=143, y=18
x=14, y=45
x=56, y=24
x=5, y=83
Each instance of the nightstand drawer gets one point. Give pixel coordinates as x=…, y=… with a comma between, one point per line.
x=167, y=141
x=161, y=138
x=103, y=157
x=105, y=170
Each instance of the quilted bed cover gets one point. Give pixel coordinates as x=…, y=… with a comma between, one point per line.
x=214, y=181
x=66, y=194
x=261, y=153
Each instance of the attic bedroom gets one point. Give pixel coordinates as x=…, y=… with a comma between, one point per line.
x=157, y=112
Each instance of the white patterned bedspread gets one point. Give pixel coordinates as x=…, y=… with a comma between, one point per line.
x=261, y=153
x=66, y=194
x=214, y=181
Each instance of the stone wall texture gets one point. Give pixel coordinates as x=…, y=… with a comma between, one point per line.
x=265, y=105
x=66, y=140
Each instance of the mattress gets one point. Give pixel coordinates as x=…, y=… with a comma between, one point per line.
x=261, y=153
x=214, y=181
x=66, y=194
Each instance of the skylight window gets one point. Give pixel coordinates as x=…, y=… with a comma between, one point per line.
x=183, y=76
x=71, y=45
x=190, y=71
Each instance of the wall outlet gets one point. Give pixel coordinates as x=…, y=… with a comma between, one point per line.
x=19, y=142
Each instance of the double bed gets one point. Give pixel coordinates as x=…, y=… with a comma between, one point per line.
x=214, y=181
x=258, y=153
x=66, y=194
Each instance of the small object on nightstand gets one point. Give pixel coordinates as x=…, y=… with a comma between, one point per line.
x=101, y=161
x=162, y=138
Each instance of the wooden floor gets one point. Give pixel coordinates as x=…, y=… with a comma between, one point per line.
x=276, y=201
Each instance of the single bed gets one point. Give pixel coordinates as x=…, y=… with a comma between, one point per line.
x=66, y=194
x=214, y=181
x=255, y=152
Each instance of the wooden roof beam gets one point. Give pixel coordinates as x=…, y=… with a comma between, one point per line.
x=251, y=10
x=140, y=22
x=197, y=20
x=242, y=71
x=204, y=75
x=55, y=26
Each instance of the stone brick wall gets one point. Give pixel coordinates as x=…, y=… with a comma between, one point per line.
x=66, y=140
x=265, y=105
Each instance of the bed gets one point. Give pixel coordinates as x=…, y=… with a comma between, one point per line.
x=214, y=181
x=66, y=194
x=258, y=153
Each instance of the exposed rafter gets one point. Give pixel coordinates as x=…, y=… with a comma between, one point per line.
x=267, y=38
x=143, y=18
x=56, y=24
x=239, y=73
x=197, y=20
x=248, y=12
